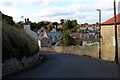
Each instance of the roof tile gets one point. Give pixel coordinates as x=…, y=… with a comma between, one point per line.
x=111, y=21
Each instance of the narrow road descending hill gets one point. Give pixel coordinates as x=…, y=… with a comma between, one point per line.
x=70, y=66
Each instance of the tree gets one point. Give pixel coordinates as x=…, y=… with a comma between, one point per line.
x=79, y=43
x=75, y=25
x=40, y=24
x=55, y=23
x=67, y=40
x=97, y=23
x=75, y=29
x=67, y=25
x=85, y=23
x=61, y=21
x=70, y=25
x=33, y=26
x=49, y=27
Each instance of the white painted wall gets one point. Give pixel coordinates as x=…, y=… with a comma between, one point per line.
x=29, y=31
x=39, y=44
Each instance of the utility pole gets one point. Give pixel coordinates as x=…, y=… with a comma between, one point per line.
x=99, y=32
x=116, y=32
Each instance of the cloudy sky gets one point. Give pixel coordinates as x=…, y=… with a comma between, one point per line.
x=54, y=10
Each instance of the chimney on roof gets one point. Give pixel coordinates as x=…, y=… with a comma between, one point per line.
x=25, y=20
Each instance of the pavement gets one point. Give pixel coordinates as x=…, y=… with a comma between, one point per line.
x=69, y=66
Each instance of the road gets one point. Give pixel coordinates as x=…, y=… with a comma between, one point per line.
x=70, y=66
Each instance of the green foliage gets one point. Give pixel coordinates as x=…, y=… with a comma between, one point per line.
x=97, y=23
x=55, y=23
x=67, y=25
x=70, y=26
x=36, y=26
x=79, y=43
x=67, y=40
x=19, y=24
x=85, y=23
x=74, y=23
x=16, y=43
x=40, y=24
x=61, y=21
x=33, y=26
x=49, y=27
x=8, y=19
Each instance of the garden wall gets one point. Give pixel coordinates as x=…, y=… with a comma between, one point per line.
x=92, y=51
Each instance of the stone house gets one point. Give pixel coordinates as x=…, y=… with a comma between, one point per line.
x=108, y=44
x=48, y=39
x=44, y=42
x=86, y=38
x=83, y=27
x=90, y=27
x=59, y=26
x=53, y=36
x=29, y=31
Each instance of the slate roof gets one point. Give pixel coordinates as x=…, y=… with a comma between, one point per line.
x=57, y=35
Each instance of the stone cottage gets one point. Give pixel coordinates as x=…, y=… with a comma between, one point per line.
x=108, y=44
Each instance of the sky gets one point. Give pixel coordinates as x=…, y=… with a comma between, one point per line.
x=84, y=11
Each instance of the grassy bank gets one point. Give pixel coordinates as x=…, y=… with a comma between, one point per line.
x=16, y=43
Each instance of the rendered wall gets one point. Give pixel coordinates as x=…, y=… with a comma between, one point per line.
x=108, y=42
x=30, y=32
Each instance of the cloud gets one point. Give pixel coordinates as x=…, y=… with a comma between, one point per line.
x=40, y=2
x=119, y=7
x=54, y=10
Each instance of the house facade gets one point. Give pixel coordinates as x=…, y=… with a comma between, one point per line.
x=87, y=39
x=45, y=42
x=108, y=44
x=29, y=31
x=53, y=36
x=90, y=27
x=83, y=27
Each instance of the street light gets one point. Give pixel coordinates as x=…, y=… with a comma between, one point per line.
x=99, y=32
x=99, y=17
x=116, y=51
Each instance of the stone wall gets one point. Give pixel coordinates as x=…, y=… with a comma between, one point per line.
x=13, y=65
x=119, y=42
x=108, y=44
x=92, y=51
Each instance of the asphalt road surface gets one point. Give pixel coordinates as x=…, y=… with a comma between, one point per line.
x=70, y=66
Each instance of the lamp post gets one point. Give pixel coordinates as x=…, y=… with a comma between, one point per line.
x=116, y=41
x=99, y=32
x=99, y=17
